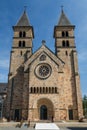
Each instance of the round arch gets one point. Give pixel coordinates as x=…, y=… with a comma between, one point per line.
x=45, y=109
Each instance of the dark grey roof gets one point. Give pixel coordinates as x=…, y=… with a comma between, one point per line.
x=63, y=21
x=3, y=87
x=23, y=21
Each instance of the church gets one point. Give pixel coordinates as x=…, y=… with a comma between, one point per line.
x=44, y=84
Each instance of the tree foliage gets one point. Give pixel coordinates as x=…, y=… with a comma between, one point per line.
x=85, y=106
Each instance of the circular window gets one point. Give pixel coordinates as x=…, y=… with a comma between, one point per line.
x=43, y=71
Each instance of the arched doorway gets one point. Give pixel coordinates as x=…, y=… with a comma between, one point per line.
x=45, y=109
x=43, y=112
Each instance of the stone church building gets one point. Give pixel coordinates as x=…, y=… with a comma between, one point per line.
x=44, y=84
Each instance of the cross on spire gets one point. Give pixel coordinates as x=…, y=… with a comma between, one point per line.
x=62, y=8
x=43, y=42
x=25, y=7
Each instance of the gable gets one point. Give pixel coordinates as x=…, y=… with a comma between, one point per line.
x=42, y=53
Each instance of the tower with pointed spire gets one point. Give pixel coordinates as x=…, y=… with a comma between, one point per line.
x=65, y=49
x=64, y=36
x=43, y=85
x=21, y=51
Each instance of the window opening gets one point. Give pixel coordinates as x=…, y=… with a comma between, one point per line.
x=20, y=34
x=67, y=34
x=24, y=34
x=63, y=43
x=19, y=43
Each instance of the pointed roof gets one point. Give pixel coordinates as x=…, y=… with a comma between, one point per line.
x=23, y=21
x=63, y=20
x=48, y=52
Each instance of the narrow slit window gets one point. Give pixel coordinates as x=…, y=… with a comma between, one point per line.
x=24, y=34
x=67, y=43
x=19, y=43
x=20, y=34
x=63, y=43
x=23, y=43
x=67, y=34
x=63, y=34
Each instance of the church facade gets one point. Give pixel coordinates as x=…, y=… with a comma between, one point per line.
x=43, y=85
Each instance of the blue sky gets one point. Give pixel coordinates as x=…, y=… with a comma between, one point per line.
x=43, y=16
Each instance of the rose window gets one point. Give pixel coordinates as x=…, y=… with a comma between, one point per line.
x=43, y=71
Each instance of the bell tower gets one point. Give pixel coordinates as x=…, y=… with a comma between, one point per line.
x=65, y=49
x=64, y=36
x=22, y=40
x=21, y=51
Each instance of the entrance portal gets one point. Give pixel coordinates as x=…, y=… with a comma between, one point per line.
x=45, y=109
x=43, y=112
x=71, y=114
x=17, y=115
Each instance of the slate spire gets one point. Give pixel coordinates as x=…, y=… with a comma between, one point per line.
x=23, y=21
x=63, y=20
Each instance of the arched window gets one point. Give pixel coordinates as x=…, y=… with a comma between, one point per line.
x=34, y=90
x=63, y=34
x=20, y=34
x=43, y=90
x=24, y=34
x=67, y=43
x=23, y=43
x=46, y=90
x=37, y=90
x=40, y=90
x=66, y=53
x=63, y=43
x=67, y=34
x=19, y=43
x=49, y=90
x=31, y=90
x=21, y=53
x=43, y=57
x=55, y=89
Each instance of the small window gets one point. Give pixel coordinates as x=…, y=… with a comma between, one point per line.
x=55, y=89
x=34, y=90
x=31, y=90
x=23, y=43
x=63, y=34
x=67, y=34
x=21, y=53
x=20, y=34
x=67, y=43
x=43, y=57
x=43, y=90
x=40, y=90
x=63, y=43
x=66, y=53
x=24, y=34
x=19, y=43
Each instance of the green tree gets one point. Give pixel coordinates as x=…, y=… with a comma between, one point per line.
x=85, y=106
